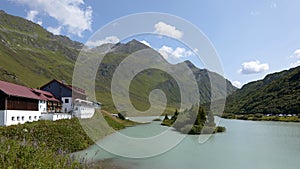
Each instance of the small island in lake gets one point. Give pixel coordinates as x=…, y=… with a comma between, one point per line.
x=193, y=121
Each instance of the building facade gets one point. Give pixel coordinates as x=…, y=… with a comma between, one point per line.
x=73, y=99
x=20, y=104
x=65, y=93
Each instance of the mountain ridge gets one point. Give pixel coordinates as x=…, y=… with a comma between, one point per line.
x=277, y=93
x=32, y=56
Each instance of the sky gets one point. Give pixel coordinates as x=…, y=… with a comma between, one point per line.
x=252, y=38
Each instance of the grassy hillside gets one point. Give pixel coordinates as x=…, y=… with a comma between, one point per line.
x=277, y=93
x=32, y=56
x=209, y=83
x=46, y=144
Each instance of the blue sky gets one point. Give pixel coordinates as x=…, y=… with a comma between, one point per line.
x=252, y=38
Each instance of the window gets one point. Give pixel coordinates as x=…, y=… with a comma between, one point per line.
x=13, y=118
x=35, y=117
x=23, y=118
x=18, y=118
x=66, y=100
x=29, y=117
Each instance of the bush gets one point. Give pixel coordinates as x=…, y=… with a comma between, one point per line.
x=220, y=129
x=157, y=119
x=121, y=116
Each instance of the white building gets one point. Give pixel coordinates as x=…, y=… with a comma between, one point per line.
x=67, y=105
x=20, y=104
x=84, y=109
x=74, y=100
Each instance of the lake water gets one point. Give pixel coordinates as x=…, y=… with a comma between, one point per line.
x=245, y=145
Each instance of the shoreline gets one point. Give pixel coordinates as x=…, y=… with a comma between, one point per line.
x=105, y=163
x=259, y=117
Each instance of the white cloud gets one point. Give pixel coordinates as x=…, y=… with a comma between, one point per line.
x=109, y=39
x=254, y=67
x=168, y=30
x=31, y=15
x=55, y=31
x=196, y=50
x=69, y=13
x=295, y=64
x=237, y=84
x=273, y=5
x=145, y=43
x=39, y=22
x=181, y=52
x=168, y=52
x=296, y=54
x=165, y=51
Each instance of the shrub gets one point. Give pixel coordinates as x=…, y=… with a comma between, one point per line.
x=220, y=129
x=157, y=119
x=121, y=116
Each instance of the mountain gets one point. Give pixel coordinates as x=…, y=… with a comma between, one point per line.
x=210, y=84
x=32, y=56
x=277, y=93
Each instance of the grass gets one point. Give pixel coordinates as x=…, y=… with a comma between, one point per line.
x=16, y=154
x=46, y=144
x=42, y=144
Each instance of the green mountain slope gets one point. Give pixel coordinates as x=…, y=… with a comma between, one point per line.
x=276, y=93
x=32, y=56
x=209, y=83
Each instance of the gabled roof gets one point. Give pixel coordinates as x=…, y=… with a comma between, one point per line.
x=11, y=89
x=72, y=88
x=17, y=90
x=44, y=95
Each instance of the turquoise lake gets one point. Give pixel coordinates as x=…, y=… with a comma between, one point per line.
x=244, y=145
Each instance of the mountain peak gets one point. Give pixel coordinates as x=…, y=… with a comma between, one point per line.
x=189, y=64
x=129, y=47
x=133, y=41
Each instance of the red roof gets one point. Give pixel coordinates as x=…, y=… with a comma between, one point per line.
x=25, y=92
x=17, y=90
x=44, y=95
